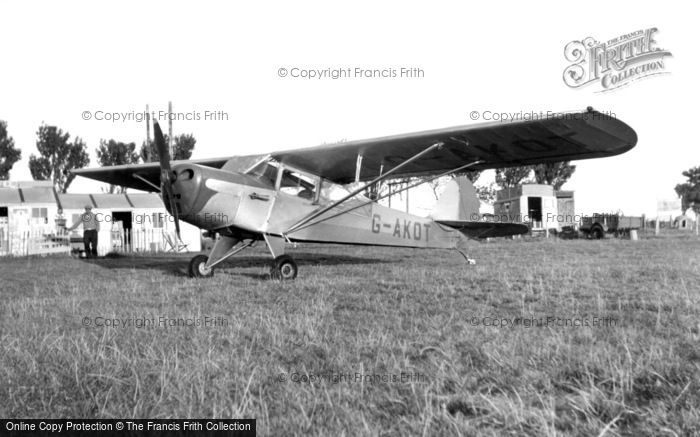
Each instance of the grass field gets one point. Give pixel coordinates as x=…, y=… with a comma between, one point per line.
x=367, y=341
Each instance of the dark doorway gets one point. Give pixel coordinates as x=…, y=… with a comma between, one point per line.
x=124, y=217
x=534, y=209
x=4, y=230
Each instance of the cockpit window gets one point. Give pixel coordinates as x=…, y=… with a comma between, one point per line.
x=266, y=172
x=303, y=185
x=331, y=192
x=298, y=184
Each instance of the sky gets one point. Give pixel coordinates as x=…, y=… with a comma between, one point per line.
x=61, y=61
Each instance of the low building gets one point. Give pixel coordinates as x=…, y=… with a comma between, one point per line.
x=33, y=219
x=27, y=210
x=539, y=205
x=566, y=209
x=684, y=223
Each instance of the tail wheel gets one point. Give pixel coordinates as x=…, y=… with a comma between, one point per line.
x=198, y=267
x=284, y=268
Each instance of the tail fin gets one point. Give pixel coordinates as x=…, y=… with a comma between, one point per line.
x=458, y=208
x=458, y=202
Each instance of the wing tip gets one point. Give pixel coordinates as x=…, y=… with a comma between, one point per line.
x=617, y=128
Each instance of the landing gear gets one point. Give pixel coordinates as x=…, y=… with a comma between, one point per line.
x=470, y=261
x=202, y=266
x=198, y=267
x=284, y=268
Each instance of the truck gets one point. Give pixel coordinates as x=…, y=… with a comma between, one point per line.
x=598, y=225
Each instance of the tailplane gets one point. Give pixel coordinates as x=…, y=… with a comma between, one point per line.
x=458, y=208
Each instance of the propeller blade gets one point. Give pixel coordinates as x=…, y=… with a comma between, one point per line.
x=173, y=209
x=166, y=174
x=163, y=153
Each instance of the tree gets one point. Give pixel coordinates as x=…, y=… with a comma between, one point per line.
x=486, y=193
x=116, y=153
x=58, y=156
x=689, y=191
x=554, y=173
x=183, y=146
x=8, y=153
x=512, y=176
x=437, y=185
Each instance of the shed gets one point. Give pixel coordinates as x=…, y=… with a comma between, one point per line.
x=684, y=222
x=566, y=209
x=535, y=204
x=27, y=214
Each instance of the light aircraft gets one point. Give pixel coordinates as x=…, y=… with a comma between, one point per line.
x=318, y=194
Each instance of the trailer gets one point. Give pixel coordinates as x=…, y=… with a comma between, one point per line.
x=598, y=226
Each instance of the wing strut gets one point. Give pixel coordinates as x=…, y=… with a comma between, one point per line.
x=138, y=176
x=358, y=167
x=390, y=193
x=372, y=183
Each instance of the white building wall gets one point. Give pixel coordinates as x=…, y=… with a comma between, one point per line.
x=549, y=212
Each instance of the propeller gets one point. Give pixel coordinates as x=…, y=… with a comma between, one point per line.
x=167, y=177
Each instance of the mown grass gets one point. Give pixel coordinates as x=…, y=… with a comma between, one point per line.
x=368, y=311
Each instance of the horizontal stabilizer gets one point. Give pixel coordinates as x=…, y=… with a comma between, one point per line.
x=486, y=229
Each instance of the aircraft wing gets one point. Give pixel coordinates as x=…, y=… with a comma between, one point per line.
x=564, y=137
x=486, y=229
x=133, y=175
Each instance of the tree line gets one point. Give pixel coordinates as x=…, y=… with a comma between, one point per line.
x=555, y=174
x=58, y=154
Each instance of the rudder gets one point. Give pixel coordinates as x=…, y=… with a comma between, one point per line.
x=458, y=202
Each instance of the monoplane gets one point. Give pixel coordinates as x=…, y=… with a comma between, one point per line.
x=330, y=193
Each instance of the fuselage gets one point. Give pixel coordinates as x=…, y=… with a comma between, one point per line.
x=273, y=199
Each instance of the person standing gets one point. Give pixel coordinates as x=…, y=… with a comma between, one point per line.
x=90, y=229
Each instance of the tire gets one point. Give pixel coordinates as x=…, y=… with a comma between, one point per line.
x=284, y=268
x=197, y=269
x=597, y=233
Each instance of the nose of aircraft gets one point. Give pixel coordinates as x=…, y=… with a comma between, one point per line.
x=208, y=197
x=186, y=186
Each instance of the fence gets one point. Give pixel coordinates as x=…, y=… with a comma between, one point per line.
x=144, y=240
x=32, y=242
x=45, y=241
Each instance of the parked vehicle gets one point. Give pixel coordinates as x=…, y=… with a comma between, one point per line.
x=598, y=225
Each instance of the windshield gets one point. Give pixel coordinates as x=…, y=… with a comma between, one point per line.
x=302, y=184
x=266, y=172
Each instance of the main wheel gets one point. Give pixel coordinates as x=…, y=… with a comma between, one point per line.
x=284, y=268
x=198, y=267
